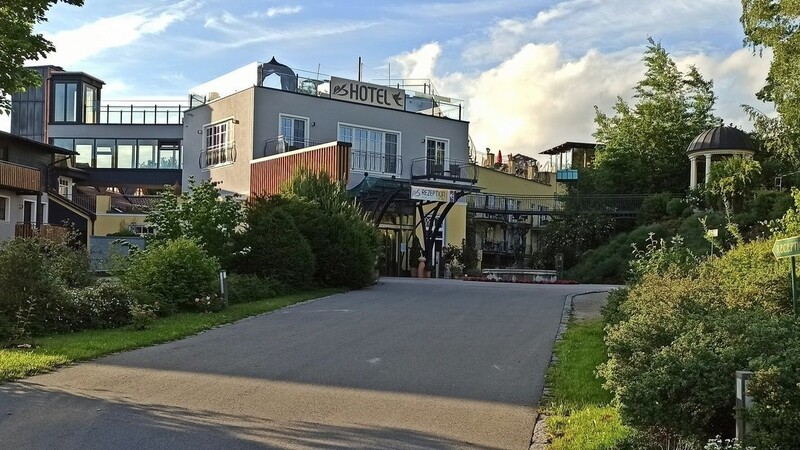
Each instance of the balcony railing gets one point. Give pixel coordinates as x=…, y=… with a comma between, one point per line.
x=615, y=205
x=217, y=156
x=53, y=232
x=20, y=178
x=283, y=144
x=442, y=168
x=141, y=114
x=498, y=247
x=379, y=162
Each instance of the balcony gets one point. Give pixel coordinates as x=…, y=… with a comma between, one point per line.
x=55, y=233
x=377, y=162
x=442, y=169
x=283, y=144
x=20, y=178
x=217, y=156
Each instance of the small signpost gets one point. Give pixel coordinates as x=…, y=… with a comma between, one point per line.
x=789, y=248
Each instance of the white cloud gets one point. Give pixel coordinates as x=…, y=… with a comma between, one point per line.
x=245, y=30
x=539, y=97
x=79, y=44
x=272, y=12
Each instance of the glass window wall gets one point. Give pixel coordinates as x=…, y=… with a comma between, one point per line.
x=146, y=154
x=125, y=153
x=104, y=154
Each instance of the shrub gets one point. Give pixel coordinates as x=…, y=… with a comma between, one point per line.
x=142, y=316
x=171, y=275
x=250, y=288
x=209, y=303
x=30, y=286
x=104, y=305
x=273, y=247
x=654, y=208
x=677, y=207
x=344, y=246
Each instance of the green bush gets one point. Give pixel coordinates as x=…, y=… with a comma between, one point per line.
x=273, y=247
x=677, y=207
x=171, y=275
x=104, y=305
x=250, y=288
x=30, y=286
x=571, y=235
x=344, y=246
x=654, y=208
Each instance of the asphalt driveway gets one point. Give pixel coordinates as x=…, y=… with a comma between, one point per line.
x=408, y=363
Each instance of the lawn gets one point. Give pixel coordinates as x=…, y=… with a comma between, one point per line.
x=580, y=414
x=56, y=350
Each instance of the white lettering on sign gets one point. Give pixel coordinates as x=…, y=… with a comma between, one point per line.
x=368, y=94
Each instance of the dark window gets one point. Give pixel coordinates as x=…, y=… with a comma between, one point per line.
x=3, y=153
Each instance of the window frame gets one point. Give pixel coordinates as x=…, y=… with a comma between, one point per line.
x=6, y=209
x=306, y=130
x=398, y=160
x=230, y=143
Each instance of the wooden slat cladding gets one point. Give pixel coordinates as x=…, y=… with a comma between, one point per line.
x=269, y=174
x=20, y=178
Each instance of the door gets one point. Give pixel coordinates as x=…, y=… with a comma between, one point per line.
x=435, y=155
x=29, y=212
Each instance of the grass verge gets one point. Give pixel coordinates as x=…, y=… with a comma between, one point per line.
x=59, y=349
x=579, y=410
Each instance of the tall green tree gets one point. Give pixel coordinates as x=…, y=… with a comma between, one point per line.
x=642, y=145
x=775, y=25
x=202, y=214
x=18, y=44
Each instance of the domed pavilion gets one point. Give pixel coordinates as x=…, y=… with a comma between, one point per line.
x=714, y=145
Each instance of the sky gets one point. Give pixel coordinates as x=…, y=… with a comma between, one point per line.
x=530, y=72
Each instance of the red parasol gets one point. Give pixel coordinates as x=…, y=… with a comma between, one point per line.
x=499, y=157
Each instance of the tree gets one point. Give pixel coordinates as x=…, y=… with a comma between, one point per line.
x=202, y=214
x=19, y=44
x=775, y=25
x=642, y=146
x=732, y=181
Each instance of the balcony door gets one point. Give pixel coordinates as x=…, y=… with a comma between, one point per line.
x=294, y=131
x=28, y=212
x=436, y=155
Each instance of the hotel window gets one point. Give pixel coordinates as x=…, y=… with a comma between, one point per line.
x=219, y=143
x=169, y=155
x=84, y=147
x=104, y=153
x=5, y=209
x=65, y=103
x=293, y=130
x=126, y=151
x=146, y=154
x=372, y=150
x=90, y=104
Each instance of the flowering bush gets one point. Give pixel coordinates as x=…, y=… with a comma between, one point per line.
x=209, y=303
x=142, y=315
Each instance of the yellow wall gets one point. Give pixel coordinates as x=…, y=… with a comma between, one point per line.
x=455, y=229
x=501, y=183
x=106, y=224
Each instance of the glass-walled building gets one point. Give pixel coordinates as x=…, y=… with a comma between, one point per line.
x=119, y=146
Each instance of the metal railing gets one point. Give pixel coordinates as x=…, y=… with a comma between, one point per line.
x=379, y=162
x=616, y=205
x=498, y=247
x=141, y=114
x=442, y=168
x=217, y=156
x=282, y=144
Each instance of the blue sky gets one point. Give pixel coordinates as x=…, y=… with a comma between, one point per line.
x=530, y=71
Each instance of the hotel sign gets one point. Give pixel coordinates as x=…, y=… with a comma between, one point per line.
x=368, y=94
x=433, y=194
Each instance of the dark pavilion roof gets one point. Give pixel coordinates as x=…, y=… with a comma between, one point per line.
x=721, y=138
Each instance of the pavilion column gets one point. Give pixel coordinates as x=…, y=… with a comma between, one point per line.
x=693, y=172
x=708, y=167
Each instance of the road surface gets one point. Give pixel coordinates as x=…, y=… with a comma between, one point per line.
x=409, y=363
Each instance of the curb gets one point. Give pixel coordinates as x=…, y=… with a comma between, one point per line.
x=539, y=434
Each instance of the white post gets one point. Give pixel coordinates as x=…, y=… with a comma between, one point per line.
x=693, y=172
x=708, y=167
